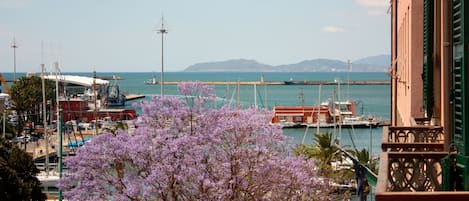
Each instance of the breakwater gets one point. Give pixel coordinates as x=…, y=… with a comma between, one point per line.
x=290, y=82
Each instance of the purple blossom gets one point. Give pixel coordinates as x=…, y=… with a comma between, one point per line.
x=184, y=150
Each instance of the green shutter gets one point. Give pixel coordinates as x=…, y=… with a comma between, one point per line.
x=460, y=96
x=427, y=76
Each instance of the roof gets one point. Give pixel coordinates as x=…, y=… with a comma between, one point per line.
x=78, y=80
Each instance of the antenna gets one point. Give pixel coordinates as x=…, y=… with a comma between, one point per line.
x=14, y=46
x=162, y=31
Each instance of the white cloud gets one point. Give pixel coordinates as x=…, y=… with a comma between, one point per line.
x=374, y=7
x=332, y=29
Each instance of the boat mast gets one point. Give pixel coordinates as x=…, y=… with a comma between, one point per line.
x=95, y=104
x=337, y=80
x=319, y=109
x=59, y=125
x=265, y=97
x=255, y=96
x=334, y=114
x=238, y=102
x=348, y=78
x=162, y=31
x=302, y=98
x=44, y=119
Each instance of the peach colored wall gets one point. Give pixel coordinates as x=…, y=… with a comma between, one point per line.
x=445, y=74
x=409, y=94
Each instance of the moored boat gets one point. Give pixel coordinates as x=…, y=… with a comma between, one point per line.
x=86, y=98
x=152, y=81
x=325, y=116
x=114, y=96
x=345, y=113
x=302, y=116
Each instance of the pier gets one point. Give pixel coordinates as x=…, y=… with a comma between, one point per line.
x=133, y=96
x=290, y=82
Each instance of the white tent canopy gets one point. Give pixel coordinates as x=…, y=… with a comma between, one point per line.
x=78, y=80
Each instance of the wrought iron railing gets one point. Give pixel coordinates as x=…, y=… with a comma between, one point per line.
x=411, y=167
x=412, y=171
x=415, y=138
x=407, y=176
x=421, y=121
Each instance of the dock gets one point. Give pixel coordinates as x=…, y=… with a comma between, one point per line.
x=133, y=96
x=114, y=77
x=290, y=82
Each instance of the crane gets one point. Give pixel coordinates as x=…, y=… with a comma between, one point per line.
x=5, y=85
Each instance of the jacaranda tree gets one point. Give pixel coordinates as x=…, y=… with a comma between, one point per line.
x=185, y=149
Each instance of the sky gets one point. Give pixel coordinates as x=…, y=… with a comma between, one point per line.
x=121, y=35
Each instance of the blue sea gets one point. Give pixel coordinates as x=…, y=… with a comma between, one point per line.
x=374, y=100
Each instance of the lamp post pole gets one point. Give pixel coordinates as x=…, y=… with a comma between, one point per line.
x=14, y=46
x=162, y=31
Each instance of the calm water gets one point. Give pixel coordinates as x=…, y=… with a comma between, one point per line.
x=374, y=100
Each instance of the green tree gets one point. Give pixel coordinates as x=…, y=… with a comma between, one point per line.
x=363, y=157
x=18, y=179
x=119, y=126
x=323, y=149
x=26, y=94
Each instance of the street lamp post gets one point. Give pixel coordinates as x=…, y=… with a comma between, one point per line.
x=14, y=46
x=162, y=31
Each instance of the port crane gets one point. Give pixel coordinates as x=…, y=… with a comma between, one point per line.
x=5, y=85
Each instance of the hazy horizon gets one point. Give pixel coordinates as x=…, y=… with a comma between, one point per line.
x=119, y=35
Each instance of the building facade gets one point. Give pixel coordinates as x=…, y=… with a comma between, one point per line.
x=425, y=150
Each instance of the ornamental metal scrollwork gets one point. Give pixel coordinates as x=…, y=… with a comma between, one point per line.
x=414, y=174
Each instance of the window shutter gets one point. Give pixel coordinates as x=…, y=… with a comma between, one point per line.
x=460, y=99
x=427, y=75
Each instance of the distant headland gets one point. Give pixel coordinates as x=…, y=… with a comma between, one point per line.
x=378, y=63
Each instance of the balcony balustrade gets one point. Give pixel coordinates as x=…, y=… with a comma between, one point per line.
x=410, y=165
x=414, y=138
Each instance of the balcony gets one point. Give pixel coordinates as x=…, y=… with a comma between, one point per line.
x=410, y=165
x=412, y=139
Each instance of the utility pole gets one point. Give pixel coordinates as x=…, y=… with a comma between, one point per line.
x=162, y=31
x=14, y=46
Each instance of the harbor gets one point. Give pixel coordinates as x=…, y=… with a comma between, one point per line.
x=290, y=82
x=78, y=108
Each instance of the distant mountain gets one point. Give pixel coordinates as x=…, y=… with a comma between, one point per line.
x=236, y=65
x=369, y=64
x=316, y=65
x=384, y=59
